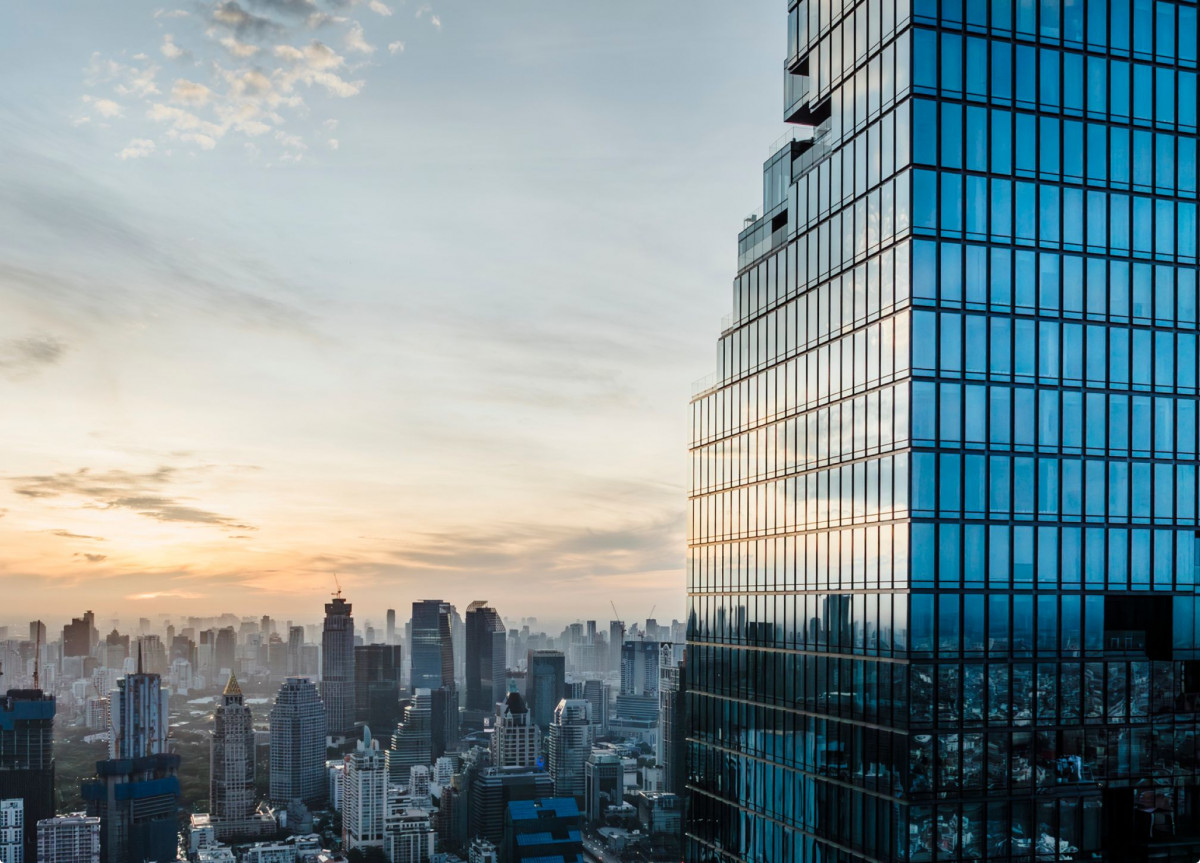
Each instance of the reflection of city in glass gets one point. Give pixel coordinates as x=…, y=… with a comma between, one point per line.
x=943, y=594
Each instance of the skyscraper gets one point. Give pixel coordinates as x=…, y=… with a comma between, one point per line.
x=298, y=744
x=231, y=766
x=377, y=674
x=391, y=626
x=136, y=792
x=364, y=795
x=571, y=737
x=943, y=511
x=547, y=685
x=485, y=658
x=517, y=741
x=27, y=758
x=412, y=742
x=432, y=645
x=337, y=667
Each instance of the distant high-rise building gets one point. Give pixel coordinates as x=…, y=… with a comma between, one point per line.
x=298, y=744
x=12, y=831
x=231, y=769
x=571, y=737
x=432, y=645
x=71, y=838
x=295, y=663
x=225, y=651
x=485, y=641
x=545, y=684
x=598, y=693
x=37, y=632
x=337, y=667
x=516, y=741
x=377, y=684
x=443, y=720
x=27, y=758
x=79, y=636
x=391, y=626
x=364, y=795
x=672, y=727
x=412, y=742
x=616, y=638
x=136, y=792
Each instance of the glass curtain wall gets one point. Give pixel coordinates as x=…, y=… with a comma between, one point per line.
x=943, y=538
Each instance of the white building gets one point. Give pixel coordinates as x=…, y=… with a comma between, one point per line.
x=216, y=854
x=482, y=851
x=269, y=852
x=337, y=778
x=364, y=795
x=12, y=831
x=517, y=741
x=71, y=838
x=408, y=835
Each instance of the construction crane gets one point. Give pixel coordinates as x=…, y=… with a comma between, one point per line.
x=338, y=582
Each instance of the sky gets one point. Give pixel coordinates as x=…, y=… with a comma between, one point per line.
x=408, y=294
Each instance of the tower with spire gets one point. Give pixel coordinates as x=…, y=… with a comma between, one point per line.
x=231, y=768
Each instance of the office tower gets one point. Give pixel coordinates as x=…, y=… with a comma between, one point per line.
x=298, y=744
x=231, y=767
x=37, y=632
x=225, y=651
x=153, y=654
x=536, y=831
x=27, y=758
x=391, y=626
x=485, y=658
x=364, y=795
x=136, y=792
x=337, y=667
x=12, y=830
x=79, y=636
x=571, y=737
x=493, y=788
x=295, y=662
x=412, y=743
x=115, y=650
x=943, y=497
x=377, y=684
x=432, y=645
x=672, y=727
x=603, y=784
x=71, y=838
x=616, y=638
x=546, y=684
x=597, y=692
x=443, y=720
x=408, y=834
x=516, y=741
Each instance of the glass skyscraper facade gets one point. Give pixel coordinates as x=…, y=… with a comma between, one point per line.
x=943, y=538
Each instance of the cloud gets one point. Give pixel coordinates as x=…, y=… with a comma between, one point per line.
x=172, y=51
x=426, y=9
x=25, y=357
x=66, y=534
x=92, y=558
x=261, y=63
x=170, y=594
x=138, y=148
x=356, y=42
x=141, y=493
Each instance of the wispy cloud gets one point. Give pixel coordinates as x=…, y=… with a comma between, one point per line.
x=142, y=493
x=262, y=70
x=22, y=358
x=168, y=594
x=66, y=534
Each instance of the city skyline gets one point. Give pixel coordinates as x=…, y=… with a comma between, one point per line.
x=250, y=374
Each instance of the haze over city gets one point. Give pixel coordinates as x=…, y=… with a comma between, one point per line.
x=419, y=305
